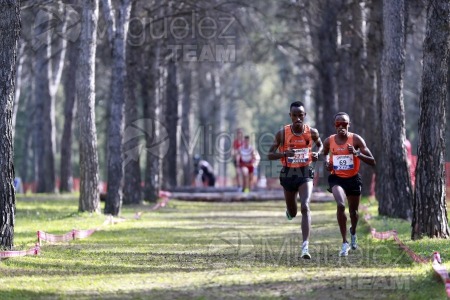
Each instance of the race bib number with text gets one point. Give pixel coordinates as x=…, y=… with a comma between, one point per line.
x=342, y=162
x=301, y=156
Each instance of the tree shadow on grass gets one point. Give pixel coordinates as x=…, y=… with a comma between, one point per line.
x=321, y=286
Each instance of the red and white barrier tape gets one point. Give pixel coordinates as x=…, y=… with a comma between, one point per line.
x=32, y=251
x=438, y=268
x=75, y=233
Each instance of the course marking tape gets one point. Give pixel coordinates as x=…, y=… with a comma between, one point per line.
x=32, y=251
x=435, y=259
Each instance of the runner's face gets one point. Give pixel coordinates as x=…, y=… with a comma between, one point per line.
x=341, y=122
x=297, y=115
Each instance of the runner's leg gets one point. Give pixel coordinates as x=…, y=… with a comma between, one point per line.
x=291, y=202
x=353, y=204
x=304, y=192
x=339, y=197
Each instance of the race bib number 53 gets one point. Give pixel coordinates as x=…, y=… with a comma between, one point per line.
x=342, y=162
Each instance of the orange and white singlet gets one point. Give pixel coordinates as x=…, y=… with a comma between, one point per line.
x=345, y=164
x=300, y=143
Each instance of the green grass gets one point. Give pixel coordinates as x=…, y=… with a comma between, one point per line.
x=190, y=250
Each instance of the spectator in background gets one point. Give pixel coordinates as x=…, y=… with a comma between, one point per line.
x=247, y=158
x=237, y=144
x=255, y=169
x=203, y=173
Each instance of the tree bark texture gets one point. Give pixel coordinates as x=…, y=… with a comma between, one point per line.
x=50, y=55
x=395, y=200
x=43, y=101
x=171, y=122
x=373, y=67
x=89, y=177
x=429, y=206
x=66, y=178
x=327, y=51
x=150, y=101
x=133, y=130
x=185, y=127
x=10, y=32
x=116, y=110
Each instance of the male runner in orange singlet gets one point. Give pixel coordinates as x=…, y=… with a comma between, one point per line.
x=294, y=143
x=346, y=150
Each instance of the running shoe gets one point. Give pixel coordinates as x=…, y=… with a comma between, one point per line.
x=353, y=240
x=305, y=252
x=344, y=250
x=288, y=216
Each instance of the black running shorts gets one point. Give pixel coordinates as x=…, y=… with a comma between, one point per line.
x=351, y=185
x=292, y=178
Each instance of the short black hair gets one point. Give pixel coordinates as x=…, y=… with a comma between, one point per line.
x=296, y=104
x=247, y=137
x=341, y=113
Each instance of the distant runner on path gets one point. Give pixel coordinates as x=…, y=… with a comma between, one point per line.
x=294, y=143
x=346, y=149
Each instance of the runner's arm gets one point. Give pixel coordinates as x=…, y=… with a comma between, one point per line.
x=364, y=153
x=316, y=138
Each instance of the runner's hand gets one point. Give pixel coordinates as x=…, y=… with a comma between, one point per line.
x=352, y=149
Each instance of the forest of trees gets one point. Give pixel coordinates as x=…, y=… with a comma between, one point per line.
x=126, y=92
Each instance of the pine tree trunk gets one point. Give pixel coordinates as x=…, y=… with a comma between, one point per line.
x=42, y=96
x=66, y=179
x=131, y=147
x=374, y=54
x=89, y=195
x=20, y=60
x=394, y=176
x=116, y=122
x=429, y=206
x=185, y=127
x=327, y=52
x=150, y=101
x=171, y=122
x=50, y=55
x=372, y=87
x=25, y=171
x=10, y=28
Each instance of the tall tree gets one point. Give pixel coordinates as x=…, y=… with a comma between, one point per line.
x=171, y=123
x=131, y=147
x=393, y=175
x=185, y=126
x=20, y=61
x=154, y=132
x=10, y=33
x=429, y=206
x=89, y=194
x=50, y=53
x=117, y=32
x=66, y=178
x=327, y=54
x=372, y=84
